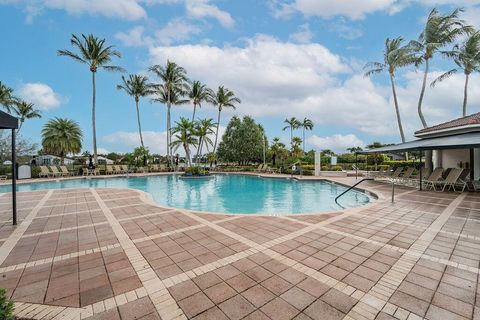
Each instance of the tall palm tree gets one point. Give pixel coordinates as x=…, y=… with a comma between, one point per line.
x=173, y=88
x=204, y=128
x=224, y=98
x=25, y=110
x=96, y=54
x=292, y=124
x=7, y=99
x=199, y=93
x=395, y=55
x=136, y=86
x=184, y=133
x=62, y=136
x=296, y=143
x=440, y=31
x=467, y=57
x=307, y=124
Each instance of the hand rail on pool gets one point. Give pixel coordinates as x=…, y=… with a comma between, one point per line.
x=350, y=188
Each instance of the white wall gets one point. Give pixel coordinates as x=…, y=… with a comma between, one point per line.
x=451, y=158
x=476, y=160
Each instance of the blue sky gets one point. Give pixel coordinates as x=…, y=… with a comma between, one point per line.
x=283, y=58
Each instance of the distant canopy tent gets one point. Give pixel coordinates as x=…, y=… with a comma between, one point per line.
x=467, y=140
x=9, y=122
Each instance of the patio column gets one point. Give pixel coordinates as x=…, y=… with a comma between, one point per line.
x=14, y=179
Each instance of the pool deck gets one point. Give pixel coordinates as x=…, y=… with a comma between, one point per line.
x=114, y=254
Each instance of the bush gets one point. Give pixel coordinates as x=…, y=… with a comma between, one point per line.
x=196, y=171
x=6, y=306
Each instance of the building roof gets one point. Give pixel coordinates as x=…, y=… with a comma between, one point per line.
x=457, y=141
x=7, y=121
x=473, y=119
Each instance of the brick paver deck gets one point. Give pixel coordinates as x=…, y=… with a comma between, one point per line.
x=113, y=254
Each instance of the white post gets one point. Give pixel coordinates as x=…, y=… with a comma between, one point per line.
x=318, y=165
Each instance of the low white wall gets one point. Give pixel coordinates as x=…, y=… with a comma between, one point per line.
x=451, y=158
x=476, y=161
x=333, y=173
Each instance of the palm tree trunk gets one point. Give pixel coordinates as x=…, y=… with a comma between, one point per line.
x=422, y=93
x=139, y=125
x=465, y=95
x=199, y=149
x=216, y=135
x=194, y=109
x=187, y=155
x=291, y=139
x=303, y=140
x=169, y=149
x=397, y=109
x=93, y=120
x=19, y=127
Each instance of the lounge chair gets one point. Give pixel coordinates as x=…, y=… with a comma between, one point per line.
x=154, y=168
x=118, y=169
x=110, y=170
x=260, y=168
x=64, y=171
x=392, y=174
x=55, y=171
x=124, y=168
x=434, y=177
x=270, y=170
x=406, y=176
x=452, y=180
x=44, y=172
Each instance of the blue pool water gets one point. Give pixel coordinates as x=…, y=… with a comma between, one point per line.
x=224, y=193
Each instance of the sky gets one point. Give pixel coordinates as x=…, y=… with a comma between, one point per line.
x=282, y=58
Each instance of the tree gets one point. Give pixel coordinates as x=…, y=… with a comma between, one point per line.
x=25, y=110
x=203, y=129
x=199, y=93
x=184, y=133
x=23, y=147
x=170, y=92
x=62, y=136
x=395, y=56
x=296, y=150
x=307, y=124
x=96, y=54
x=242, y=141
x=7, y=100
x=292, y=124
x=277, y=148
x=467, y=57
x=136, y=86
x=224, y=98
x=440, y=31
x=354, y=149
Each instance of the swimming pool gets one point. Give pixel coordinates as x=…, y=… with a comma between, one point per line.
x=224, y=193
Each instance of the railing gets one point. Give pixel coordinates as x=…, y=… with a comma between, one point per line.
x=356, y=184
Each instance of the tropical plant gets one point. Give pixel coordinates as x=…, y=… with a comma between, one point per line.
x=296, y=143
x=292, y=124
x=184, y=134
x=440, y=31
x=136, y=86
x=395, y=55
x=62, y=136
x=306, y=124
x=467, y=57
x=25, y=110
x=7, y=100
x=277, y=148
x=224, y=98
x=203, y=129
x=199, y=93
x=6, y=306
x=96, y=54
x=170, y=92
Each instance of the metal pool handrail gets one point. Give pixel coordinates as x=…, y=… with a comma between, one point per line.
x=356, y=184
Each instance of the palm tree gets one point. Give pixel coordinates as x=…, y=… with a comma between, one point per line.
x=467, y=57
x=204, y=128
x=199, y=93
x=184, y=132
x=440, y=30
x=307, y=124
x=296, y=143
x=96, y=54
x=292, y=124
x=172, y=89
x=136, y=86
x=395, y=56
x=25, y=110
x=62, y=136
x=224, y=98
x=6, y=97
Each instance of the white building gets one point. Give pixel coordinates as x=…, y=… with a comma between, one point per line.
x=50, y=160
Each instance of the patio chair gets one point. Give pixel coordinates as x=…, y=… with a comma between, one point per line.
x=406, y=176
x=65, y=171
x=55, y=171
x=44, y=172
x=124, y=168
x=270, y=170
x=452, y=180
x=154, y=168
x=434, y=177
x=110, y=170
x=259, y=168
x=393, y=174
x=118, y=169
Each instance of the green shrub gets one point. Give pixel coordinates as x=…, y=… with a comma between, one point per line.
x=6, y=306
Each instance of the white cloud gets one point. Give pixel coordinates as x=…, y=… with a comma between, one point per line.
x=345, y=30
x=134, y=37
x=122, y=9
x=41, y=94
x=203, y=9
x=337, y=142
x=302, y=35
